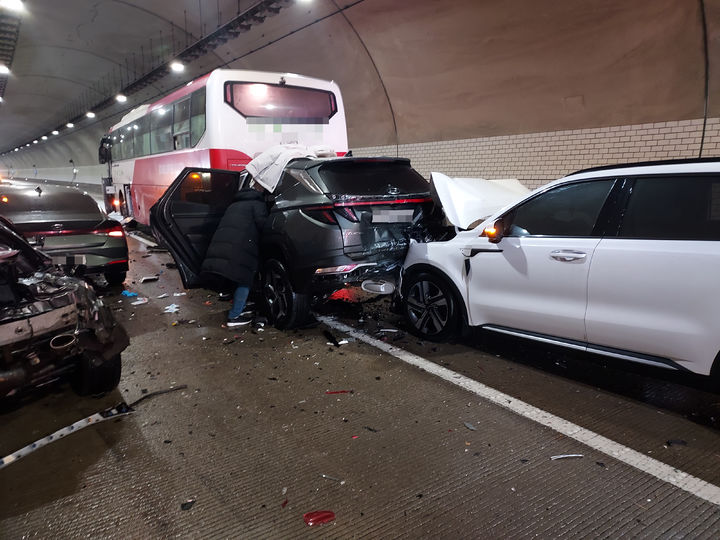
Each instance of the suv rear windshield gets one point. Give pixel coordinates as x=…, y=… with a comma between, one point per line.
x=372, y=178
x=280, y=104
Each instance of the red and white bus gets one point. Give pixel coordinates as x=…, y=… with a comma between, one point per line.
x=221, y=120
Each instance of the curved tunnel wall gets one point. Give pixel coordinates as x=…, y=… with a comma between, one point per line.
x=495, y=89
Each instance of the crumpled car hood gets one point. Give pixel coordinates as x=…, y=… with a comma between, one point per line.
x=468, y=200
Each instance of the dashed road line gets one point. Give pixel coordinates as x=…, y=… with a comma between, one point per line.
x=662, y=471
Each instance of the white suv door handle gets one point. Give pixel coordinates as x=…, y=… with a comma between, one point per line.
x=567, y=255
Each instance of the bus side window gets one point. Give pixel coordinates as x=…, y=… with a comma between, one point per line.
x=197, y=118
x=141, y=136
x=181, y=124
x=161, y=130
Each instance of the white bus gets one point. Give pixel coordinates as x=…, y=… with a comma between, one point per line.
x=221, y=120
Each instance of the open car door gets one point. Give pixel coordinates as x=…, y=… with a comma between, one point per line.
x=186, y=216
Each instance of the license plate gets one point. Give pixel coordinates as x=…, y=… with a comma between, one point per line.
x=393, y=216
x=68, y=260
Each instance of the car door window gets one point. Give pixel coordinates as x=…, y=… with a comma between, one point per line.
x=567, y=210
x=212, y=189
x=673, y=208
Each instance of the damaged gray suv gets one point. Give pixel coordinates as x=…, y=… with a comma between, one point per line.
x=332, y=223
x=52, y=327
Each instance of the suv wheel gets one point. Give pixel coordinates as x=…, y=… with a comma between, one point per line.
x=285, y=307
x=95, y=374
x=430, y=307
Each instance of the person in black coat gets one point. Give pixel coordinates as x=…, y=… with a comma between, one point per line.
x=234, y=250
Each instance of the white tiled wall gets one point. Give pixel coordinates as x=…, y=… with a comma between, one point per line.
x=537, y=158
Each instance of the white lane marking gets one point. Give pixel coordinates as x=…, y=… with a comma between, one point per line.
x=687, y=482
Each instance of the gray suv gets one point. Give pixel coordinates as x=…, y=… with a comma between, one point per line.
x=332, y=223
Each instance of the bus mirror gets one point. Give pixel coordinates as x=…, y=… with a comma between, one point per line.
x=104, y=154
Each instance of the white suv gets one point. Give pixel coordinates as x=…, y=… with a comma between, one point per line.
x=622, y=261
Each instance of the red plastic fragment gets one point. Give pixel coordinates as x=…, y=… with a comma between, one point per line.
x=339, y=392
x=355, y=436
x=284, y=503
x=319, y=517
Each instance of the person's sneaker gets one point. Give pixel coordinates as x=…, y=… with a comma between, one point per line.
x=239, y=321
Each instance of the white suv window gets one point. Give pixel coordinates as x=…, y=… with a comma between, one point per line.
x=568, y=210
x=673, y=208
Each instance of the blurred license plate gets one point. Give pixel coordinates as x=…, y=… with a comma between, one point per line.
x=393, y=216
x=71, y=260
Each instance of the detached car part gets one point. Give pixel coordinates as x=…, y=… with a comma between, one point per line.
x=52, y=326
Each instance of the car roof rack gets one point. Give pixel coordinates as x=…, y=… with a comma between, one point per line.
x=648, y=163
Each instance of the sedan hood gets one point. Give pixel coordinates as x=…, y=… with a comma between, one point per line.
x=469, y=200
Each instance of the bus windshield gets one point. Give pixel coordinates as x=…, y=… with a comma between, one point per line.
x=280, y=103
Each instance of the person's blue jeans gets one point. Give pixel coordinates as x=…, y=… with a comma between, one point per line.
x=239, y=299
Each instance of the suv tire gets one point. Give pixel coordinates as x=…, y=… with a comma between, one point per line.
x=430, y=307
x=285, y=308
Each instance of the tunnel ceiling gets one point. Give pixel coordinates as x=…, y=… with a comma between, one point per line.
x=410, y=70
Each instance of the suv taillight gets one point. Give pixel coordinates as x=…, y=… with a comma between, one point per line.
x=323, y=214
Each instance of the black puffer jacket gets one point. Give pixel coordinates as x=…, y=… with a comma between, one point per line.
x=234, y=249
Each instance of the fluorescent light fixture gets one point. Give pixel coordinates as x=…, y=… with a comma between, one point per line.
x=14, y=5
x=4, y=70
x=121, y=98
x=177, y=67
x=55, y=132
x=44, y=137
x=90, y=114
x=70, y=125
x=35, y=141
x=17, y=150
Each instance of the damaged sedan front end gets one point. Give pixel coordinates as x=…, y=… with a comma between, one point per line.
x=52, y=326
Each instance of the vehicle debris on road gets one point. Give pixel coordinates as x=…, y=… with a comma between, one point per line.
x=564, y=456
x=319, y=517
x=121, y=409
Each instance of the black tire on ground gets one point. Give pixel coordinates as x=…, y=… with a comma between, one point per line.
x=115, y=278
x=430, y=306
x=285, y=308
x=94, y=375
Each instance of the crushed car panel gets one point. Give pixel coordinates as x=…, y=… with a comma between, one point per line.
x=52, y=326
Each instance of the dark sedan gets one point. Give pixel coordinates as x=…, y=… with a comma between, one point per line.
x=68, y=225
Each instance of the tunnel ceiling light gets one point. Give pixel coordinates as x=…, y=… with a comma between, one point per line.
x=55, y=132
x=44, y=137
x=35, y=141
x=90, y=114
x=177, y=67
x=4, y=70
x=1, y=99
x=14, y=5
x=121, y=98
x=70, y=125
